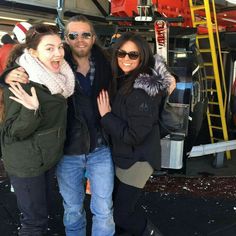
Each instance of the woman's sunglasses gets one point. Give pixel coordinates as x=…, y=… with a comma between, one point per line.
x=83, y=35
x=133, y=55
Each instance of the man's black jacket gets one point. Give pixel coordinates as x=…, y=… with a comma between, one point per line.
x=80, y=138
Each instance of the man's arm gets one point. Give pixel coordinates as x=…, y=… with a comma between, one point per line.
x=14, y=74
x=162, y=69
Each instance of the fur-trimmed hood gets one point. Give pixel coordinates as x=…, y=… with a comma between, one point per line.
x=151, y=84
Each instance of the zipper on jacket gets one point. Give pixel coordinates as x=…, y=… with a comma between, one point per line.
x=58, y=130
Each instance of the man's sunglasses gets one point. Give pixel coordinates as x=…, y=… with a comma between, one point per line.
x=133, y=55
x=83, y=35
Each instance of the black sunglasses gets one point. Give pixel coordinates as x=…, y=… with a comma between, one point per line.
x=83, y=35
x=133, y=55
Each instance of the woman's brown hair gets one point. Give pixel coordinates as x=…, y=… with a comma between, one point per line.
x=33, y=37
x=1, y=105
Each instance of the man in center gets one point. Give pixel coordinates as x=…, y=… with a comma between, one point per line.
x=86, y=148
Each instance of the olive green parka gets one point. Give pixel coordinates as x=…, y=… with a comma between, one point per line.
x=32, y=141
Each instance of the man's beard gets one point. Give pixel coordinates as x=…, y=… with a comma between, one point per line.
x=81, y=53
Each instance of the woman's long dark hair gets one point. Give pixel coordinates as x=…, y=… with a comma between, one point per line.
x=2, y=113
x=146, y=60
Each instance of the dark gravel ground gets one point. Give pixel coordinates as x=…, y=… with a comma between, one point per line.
x=179, y=206
x=192, y=205
x=212, y=186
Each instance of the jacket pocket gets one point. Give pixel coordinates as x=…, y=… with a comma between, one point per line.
x=50, y=143
x=21, y=155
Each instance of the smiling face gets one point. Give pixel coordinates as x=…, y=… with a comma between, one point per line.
x=125, y=63
x=50, y=52
x=80, y=46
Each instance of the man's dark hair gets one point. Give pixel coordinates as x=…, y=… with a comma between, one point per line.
x=80, y=18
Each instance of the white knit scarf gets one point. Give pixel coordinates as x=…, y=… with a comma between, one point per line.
x=58, y=83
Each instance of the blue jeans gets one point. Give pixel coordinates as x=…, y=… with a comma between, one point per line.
x=71, y=179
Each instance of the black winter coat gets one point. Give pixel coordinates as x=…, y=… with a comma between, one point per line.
x=78, y=140
x=133, y=124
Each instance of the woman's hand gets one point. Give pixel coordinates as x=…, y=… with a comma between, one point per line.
x=22, y=97
x=103, y=103
x=17, y=75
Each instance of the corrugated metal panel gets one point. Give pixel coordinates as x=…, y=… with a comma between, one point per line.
x=41, y=3
x=80, y=6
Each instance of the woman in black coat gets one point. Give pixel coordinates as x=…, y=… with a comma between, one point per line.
x=133, y=126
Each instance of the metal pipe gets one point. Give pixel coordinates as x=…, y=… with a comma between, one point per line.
x=212, y=148
x=60, y=15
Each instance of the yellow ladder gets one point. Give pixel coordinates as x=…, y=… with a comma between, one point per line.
x=203, y=14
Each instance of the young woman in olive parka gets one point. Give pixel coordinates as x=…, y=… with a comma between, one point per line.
x=34, y=127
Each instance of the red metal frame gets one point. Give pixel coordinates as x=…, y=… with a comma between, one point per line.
x=123, y=7
x=167, y=8
x=173, y=8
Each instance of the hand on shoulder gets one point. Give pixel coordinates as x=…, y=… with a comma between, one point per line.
x=17, y=75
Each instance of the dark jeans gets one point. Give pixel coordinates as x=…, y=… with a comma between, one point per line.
x=128, y=220
x=33, y=199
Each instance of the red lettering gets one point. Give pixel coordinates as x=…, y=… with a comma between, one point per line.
x=160, y=33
